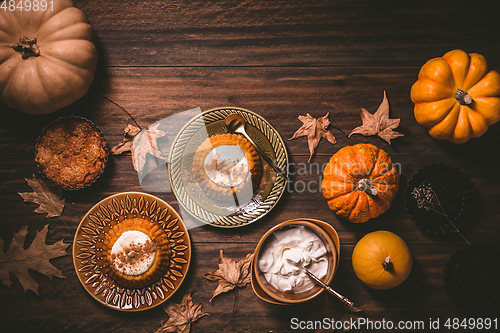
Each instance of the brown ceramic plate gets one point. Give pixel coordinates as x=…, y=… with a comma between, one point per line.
x=93, y=229
x=268, y=293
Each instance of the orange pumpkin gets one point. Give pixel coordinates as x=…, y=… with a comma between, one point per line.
x=456, y=97
x=360, y=182
x=382, y=260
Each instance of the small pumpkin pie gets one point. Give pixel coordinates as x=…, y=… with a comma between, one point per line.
x=71, y=152
x=227, y=166
x=136, y=253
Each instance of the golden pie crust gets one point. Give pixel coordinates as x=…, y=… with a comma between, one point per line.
x=71, y=152
x=160, y=264
x=213, y=189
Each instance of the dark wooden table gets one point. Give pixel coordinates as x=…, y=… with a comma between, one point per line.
x=280, y=59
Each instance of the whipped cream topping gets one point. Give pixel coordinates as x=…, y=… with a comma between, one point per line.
x=133, y=253
x=226, y=166
x=287, y=252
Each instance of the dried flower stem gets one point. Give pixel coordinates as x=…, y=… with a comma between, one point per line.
x=428, y=199
x=446, y=215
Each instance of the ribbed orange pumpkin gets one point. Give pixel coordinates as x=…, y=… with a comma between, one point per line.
x=456, y=97
x=360, y=182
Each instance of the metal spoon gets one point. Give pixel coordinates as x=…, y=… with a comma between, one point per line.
x=236, y=124
x=343, y=299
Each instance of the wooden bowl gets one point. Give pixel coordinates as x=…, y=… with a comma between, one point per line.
x=270, y=294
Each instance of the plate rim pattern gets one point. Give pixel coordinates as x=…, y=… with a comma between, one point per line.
x=103, y=288
x=176, y=153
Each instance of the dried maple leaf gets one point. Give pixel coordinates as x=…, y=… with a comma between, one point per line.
x=378, y=123
x=230, y=273
x=182, y=315
x=46, y=196
x=145, y=143
x=314, y=129
x=127, y=143
x=18, y=260
x=140, y=143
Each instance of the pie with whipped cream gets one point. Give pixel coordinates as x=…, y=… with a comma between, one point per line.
x=227, y=166
x=136, y=252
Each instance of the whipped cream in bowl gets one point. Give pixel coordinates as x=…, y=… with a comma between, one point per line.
x=285, y=251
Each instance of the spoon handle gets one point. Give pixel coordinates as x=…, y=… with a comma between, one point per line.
x=344, y=299
x=263, y=154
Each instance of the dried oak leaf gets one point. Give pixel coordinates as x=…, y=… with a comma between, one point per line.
x=128, y=140
x=378, y=123
x=46, y=196
x=314, y=129
x=18, y=260
x=230, y=273
x=182, y=315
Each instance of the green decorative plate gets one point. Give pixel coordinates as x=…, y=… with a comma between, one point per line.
x=88, y=244
x=208, y=209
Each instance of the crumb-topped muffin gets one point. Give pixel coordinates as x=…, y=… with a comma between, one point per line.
x=71, y=152
x=136, y=253
x=227, y=166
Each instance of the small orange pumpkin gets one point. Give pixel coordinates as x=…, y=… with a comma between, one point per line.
x=456, y=96
x=360, y=182
x=382, y=260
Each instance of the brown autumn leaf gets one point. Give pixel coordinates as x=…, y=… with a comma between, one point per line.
x=128, y=140
x=181, y=316
x=378, y=123
x=18, y=260
x=314, y=129
x=230, y=273
x=145, y=143
x=46, y=196
x=140, y=143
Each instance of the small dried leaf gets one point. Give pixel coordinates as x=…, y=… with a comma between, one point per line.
x=46, y=196
x=18, y=260
x=182, y=315
x=145, y=143
x=314, y=129
x=127, y=143
x=378, y=123
x=230, y=273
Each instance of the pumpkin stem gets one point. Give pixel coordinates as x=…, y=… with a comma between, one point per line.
x=27, y=47
x=365, y=185
x=463, y=97
x=387, y=264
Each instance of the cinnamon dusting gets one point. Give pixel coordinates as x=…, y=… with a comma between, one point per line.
x=134, y=254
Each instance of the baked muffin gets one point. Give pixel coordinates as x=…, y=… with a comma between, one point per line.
x=71, y=152
x=136, y=253
x=227, y=166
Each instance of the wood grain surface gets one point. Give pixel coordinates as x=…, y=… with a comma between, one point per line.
x=280, y=59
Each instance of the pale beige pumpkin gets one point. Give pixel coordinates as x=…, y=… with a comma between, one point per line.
x=382, y=260
x=47, y=58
